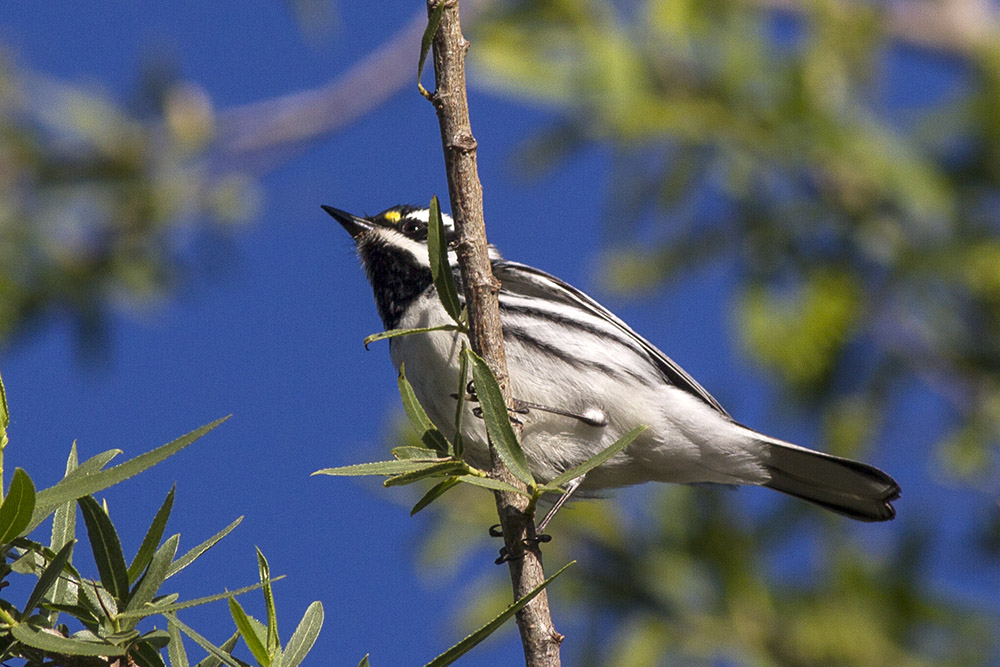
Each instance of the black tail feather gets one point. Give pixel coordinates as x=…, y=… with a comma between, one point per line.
x=844, y=486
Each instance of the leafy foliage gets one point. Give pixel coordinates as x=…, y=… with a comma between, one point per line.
x=110, y=608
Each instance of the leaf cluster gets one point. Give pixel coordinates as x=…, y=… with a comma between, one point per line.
x=109, y=608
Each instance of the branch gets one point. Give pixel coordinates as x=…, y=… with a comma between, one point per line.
x=538, y=636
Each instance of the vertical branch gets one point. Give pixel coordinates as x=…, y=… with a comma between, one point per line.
x=540, y=639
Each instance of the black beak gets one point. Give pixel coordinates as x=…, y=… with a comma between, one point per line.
x=354, y=225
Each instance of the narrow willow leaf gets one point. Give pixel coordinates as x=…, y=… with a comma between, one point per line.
x=107, y=549
x=145, y=654
x=434, y=493
x=422, y=424
x=15, y=513
x=409, y=453
x=393, y=333
x=93, y=464
x=467, y=644
x=273, y=643
x=433, y=21
x=45, y=641
x=64, y=532
x=458, y=447
x=152, y=538
x=213, y=650
x=175, y=649
x=414, y=411
x=498, y=420
x=197, y=551
x=48, y=578
x=596, y=460
x=437, y=250
x=305, y=635
x=157, y=608
x=76, y=486
x=227, y=646
x=155, y=575
x=376, y=468
x=445, y=468
x=5, y=412
x=253, y=641
x=492, y=484
x=156, y=638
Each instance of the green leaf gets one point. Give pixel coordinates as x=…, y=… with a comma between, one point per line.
x=107, y=549
x=48, y=578
x=492, y=484
x=467, y=644
x=156, y=608
x=409, y=453
x=155, y=575
x=498, y=420
x=197, y=551
x=594, y=461
x=227, y=646
x=175, y=649
x=64, y=532
x=445, y=468
x=376, y=468
x=5, y=414
x=45, y=641
x=273, y=643
x=437, y=249
x=393, y=333
x=158, y=639
x=15, y=513
x=425, y=428
x=305, y=635
x=76, y=486
x=152, y=538
x=458, y=447
x=146, y=655
x=434, y=493
x=433, y=21
x=93, y=464
x=213, y=650
x=253, y=641
x=364, y=662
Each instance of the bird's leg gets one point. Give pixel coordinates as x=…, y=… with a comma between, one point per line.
x=540, y=537
x=572, y=486
x=590, y=416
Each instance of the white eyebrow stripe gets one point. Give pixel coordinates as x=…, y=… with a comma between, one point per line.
x=424, y=216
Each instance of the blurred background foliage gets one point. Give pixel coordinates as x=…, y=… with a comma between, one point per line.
x=857, y=204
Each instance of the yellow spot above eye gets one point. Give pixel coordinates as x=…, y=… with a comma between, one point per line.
x=392, y=216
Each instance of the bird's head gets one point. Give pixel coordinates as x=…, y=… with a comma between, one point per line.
x=393, y=250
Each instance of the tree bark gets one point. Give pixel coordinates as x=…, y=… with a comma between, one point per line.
x=538, y=636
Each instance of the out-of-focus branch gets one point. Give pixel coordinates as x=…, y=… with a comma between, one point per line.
x=955, y=27
x=292, y=120
x=538, y=636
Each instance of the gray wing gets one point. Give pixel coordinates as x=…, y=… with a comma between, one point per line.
x=527, y=281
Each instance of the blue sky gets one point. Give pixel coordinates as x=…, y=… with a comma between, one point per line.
x=273, y=335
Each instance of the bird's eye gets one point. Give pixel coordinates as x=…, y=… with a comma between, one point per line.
x=410, y=226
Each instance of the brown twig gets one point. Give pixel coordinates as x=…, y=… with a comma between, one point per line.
x=538, y=636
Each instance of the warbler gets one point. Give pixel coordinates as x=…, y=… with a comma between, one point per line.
x=582, y=378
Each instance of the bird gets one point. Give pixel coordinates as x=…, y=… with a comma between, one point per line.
x=582, y=378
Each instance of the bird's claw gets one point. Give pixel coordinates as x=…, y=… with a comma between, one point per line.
x=505, y=555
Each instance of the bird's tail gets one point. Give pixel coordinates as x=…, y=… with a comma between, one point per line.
x=847, y=487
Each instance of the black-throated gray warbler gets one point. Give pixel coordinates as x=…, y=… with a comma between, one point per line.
x=587, y=379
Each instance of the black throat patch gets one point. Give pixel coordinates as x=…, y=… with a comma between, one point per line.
x=397, y=278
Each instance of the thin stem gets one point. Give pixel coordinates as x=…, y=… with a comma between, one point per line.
x=539, y=638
